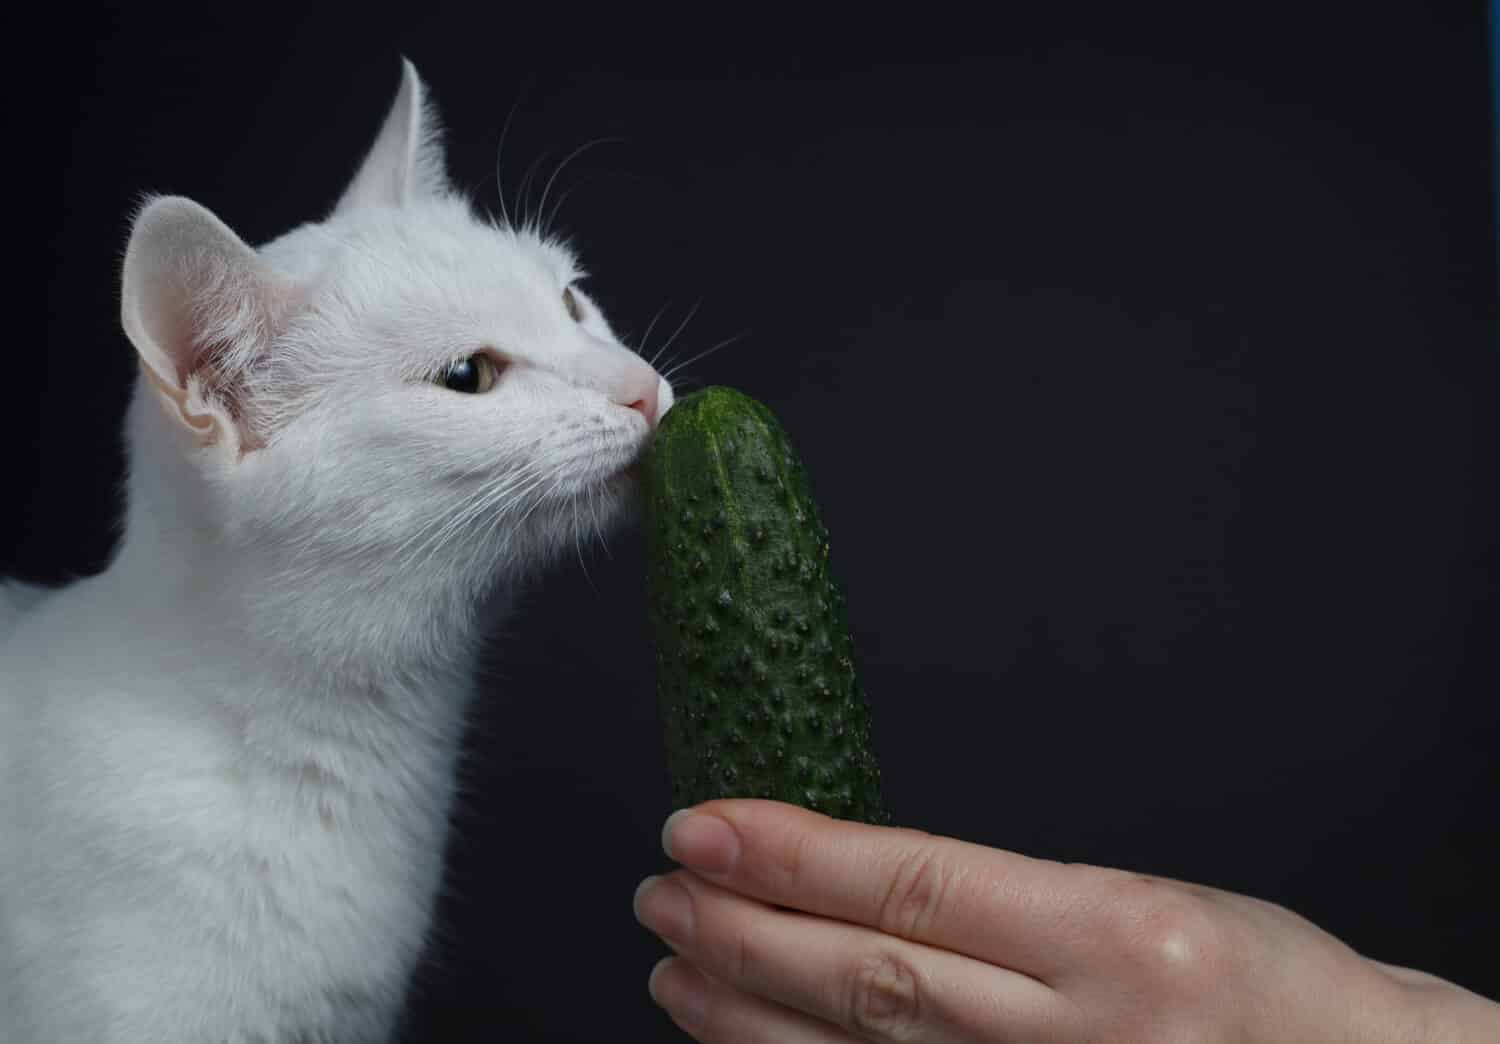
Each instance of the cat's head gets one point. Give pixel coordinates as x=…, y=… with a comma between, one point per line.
x=402, y=382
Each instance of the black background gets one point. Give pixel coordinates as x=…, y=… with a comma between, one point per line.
x=1144, y=372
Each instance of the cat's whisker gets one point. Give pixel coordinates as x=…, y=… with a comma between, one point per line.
x=523, y=498
x=528, y=222
x=483, y=495
x=483, y=465
x=540, y=500
x=578, y=547
x=646, y=338
x=547, y=189
x=498, y=486
x=500, y=495
x=551, y=219
x=556, y=207
x=434, y=534
x=681, y=326
x=420, y=545
x=500, y=149
x=503, y=517
x=667, y=375
x=598, y=529
x=491, y=505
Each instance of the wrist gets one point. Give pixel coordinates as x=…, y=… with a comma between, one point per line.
x=1440, y=1012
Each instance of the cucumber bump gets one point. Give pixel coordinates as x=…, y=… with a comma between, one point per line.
x=756, y=675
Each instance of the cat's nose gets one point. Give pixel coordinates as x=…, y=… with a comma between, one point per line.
x=642, y=393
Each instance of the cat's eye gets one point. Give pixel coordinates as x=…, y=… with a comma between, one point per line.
x=471, y=376
x=570, y=301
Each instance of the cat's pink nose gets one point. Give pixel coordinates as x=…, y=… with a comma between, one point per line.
x=643, y=396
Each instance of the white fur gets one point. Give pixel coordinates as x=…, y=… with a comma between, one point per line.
x=227, y=762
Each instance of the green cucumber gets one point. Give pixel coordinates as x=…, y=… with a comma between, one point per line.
x=756, y=676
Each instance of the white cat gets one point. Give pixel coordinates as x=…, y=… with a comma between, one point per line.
x=227, y=762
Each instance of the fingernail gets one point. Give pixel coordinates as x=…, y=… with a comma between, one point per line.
x=679, y=988
x=700, y=841
x=664, y=906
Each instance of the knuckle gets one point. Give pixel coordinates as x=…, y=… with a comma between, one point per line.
x=915, y=894
x=745, y=960
x=1176, y=939
x=732, y=951
x=883, y=999
x=790, y=857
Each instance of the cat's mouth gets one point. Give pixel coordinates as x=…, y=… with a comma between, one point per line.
x=620, y=478
x=633, y=469
x=628, y=472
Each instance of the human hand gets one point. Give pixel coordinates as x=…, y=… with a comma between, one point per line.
x=795, y=928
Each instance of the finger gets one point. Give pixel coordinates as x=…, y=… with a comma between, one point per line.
x=1030, y=915
x=874, y=986
x=714, y=1012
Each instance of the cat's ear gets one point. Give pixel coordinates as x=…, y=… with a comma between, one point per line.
x=406, y=161
x=201, y=307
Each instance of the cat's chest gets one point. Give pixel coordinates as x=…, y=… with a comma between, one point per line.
x=165, y=858
x=201, y=853
x=233, y=795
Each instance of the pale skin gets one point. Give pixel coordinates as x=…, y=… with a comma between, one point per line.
x=793, y=928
